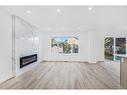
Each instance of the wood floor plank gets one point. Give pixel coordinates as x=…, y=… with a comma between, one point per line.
x=67, y=75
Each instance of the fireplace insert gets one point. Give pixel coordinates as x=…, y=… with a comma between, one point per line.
x=26, y=60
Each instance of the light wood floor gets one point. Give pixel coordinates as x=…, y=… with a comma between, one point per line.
x=67, y=75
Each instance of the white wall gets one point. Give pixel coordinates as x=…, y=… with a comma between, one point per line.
x=96, y=47
x=91, y=46
x=26, y=43
x=83, y=54
x=40, y=47
x=100, y=22
x=5, y=46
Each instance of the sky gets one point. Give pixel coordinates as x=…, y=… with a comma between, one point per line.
x=62, y=39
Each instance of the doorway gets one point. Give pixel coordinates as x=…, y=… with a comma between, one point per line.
x=113, y=47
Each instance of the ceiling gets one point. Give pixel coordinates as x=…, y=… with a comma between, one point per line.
x=70, y=18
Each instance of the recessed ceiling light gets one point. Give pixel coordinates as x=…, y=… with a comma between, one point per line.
x=63, y=28
x=48, y=28
x=58, y=10
x=90, y=8
x=79, y=28
x=29, y=11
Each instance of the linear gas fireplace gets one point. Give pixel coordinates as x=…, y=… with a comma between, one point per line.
x=26, y=60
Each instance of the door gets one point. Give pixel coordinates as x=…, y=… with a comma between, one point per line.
x=109, y=48
x=120, y=47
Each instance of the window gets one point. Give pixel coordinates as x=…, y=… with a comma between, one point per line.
x=109, y=48
x=65, y=45
x=113, y=47
x=120, y=45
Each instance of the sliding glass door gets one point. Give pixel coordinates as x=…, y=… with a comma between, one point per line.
x=114, y=47
x=109, y=48
x=120, y=47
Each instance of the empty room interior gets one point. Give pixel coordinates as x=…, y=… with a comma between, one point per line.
x=63, y=47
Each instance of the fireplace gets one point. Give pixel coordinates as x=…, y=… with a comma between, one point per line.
x=26, y=60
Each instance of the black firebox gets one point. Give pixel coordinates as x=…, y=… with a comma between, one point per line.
x=26, y=60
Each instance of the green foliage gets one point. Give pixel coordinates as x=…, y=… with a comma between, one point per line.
x=109, y=56
x=108, y=41
x=67, y=48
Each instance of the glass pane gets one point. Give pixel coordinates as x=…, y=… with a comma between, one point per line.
x=64, y=45
x=120, y=46
x=109, y=43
